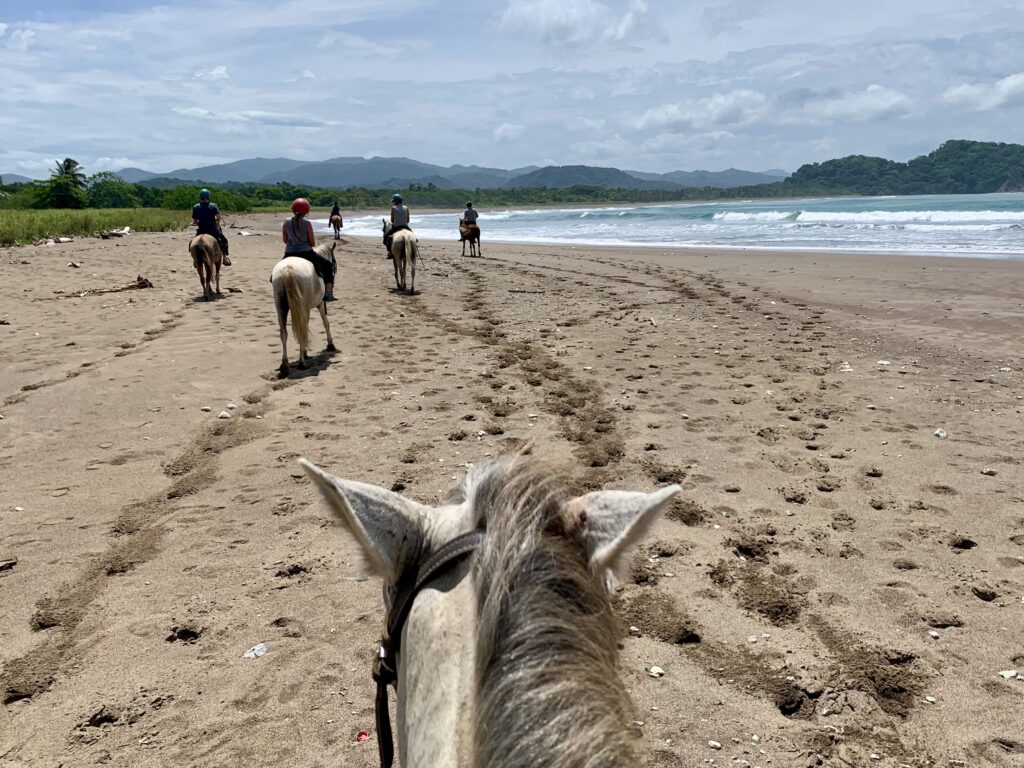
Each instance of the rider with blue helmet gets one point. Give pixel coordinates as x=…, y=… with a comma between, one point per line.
x=399, y=220
x=206, y=219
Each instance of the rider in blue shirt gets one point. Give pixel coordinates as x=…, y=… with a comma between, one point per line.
x=206, y=219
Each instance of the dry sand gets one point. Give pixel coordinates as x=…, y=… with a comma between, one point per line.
x=821, y=516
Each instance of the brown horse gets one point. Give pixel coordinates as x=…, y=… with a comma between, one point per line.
x=207, y=258
x=470, y=233
x=336, y=225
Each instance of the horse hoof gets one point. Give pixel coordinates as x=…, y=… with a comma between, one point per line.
x=282, y=372
x=331, y=347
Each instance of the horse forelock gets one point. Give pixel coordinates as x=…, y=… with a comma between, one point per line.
x=549, y=692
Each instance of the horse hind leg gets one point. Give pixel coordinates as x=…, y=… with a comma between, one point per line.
x=327, y=327
x=202, y=281
x=394, y=261
x=282, y=322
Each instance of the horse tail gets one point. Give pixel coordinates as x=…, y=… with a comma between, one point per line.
x=300, y=314
x=208, y=261
x=409, y=249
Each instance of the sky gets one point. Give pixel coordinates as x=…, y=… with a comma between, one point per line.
x=650, y=85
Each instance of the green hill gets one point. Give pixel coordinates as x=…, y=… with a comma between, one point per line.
x=563, y=176
x=956, y=167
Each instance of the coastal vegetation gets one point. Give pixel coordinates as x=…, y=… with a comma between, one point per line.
x=30, y=226
x=29, y=211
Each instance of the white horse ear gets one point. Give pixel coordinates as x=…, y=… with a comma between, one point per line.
x=612, y=523
x=388, y=527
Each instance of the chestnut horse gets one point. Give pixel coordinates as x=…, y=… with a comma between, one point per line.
x=207, y=258
x=470, y=233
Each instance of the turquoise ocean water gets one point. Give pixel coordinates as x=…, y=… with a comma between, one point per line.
x=985, y=226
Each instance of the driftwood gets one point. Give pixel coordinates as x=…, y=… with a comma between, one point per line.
x=109, y=233
x=139, y=283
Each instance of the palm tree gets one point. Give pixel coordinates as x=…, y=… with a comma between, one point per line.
x=66, y=187
x=71, y=172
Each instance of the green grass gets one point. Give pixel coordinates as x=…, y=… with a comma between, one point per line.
x=19, y=227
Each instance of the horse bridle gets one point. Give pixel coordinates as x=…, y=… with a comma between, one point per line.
x=385, y=665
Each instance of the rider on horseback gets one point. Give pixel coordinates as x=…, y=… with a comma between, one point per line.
x=470, y=216
x=206, y=219
x=399, y=220
x=297, y=236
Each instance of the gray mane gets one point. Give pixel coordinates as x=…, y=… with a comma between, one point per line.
x=549, y=689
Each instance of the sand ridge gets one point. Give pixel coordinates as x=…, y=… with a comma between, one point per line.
x=823, y=533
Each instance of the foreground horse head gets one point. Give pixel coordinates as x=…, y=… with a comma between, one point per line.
x=298, y=289
x=470, y=233
x=404, y=250
x=207, y=258
x=508, y=655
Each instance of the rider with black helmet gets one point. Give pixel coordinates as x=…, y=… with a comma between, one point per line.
x=206, y=219
x=399, y=220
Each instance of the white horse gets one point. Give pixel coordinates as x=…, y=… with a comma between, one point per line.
x=297, y=287
x=508, y=652
x=404, y=251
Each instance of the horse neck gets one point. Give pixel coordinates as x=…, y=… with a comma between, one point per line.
x=549, y=695
x=437, y=675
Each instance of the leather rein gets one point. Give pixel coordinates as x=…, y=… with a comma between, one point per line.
x=385, y=665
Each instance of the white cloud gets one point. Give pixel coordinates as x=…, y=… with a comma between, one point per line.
x=729, y=18
x=357, y=43
x=21, y=39
x=982, y=97
x=3, y=28
x=508, y=132
x=576, y=22
x=220, y=72
x=307, y=75
x=253, y=116
x=675, y=143
x=876, y=102
x=722, y=109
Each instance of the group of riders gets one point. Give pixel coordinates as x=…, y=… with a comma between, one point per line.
x=297, y=231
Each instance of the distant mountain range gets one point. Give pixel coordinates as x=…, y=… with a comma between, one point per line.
x=399, y=172
x=13, y=178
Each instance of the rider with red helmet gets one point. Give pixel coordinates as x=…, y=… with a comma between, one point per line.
x=297, y=236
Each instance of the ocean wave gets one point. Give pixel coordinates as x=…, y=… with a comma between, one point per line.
x=911, y=217
x=756, y=216
x=872, y=217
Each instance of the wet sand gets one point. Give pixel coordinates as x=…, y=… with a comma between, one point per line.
x=837, y=581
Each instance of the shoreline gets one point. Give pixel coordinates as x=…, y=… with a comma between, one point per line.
x=266, y=223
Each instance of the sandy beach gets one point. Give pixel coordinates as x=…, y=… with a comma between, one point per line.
x=838, y=586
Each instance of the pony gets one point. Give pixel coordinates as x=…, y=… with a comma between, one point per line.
x=207, y=258
x=404, y=251
x=336, y=225
x=470, y=233
x=509, y=649
x=297, y=287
